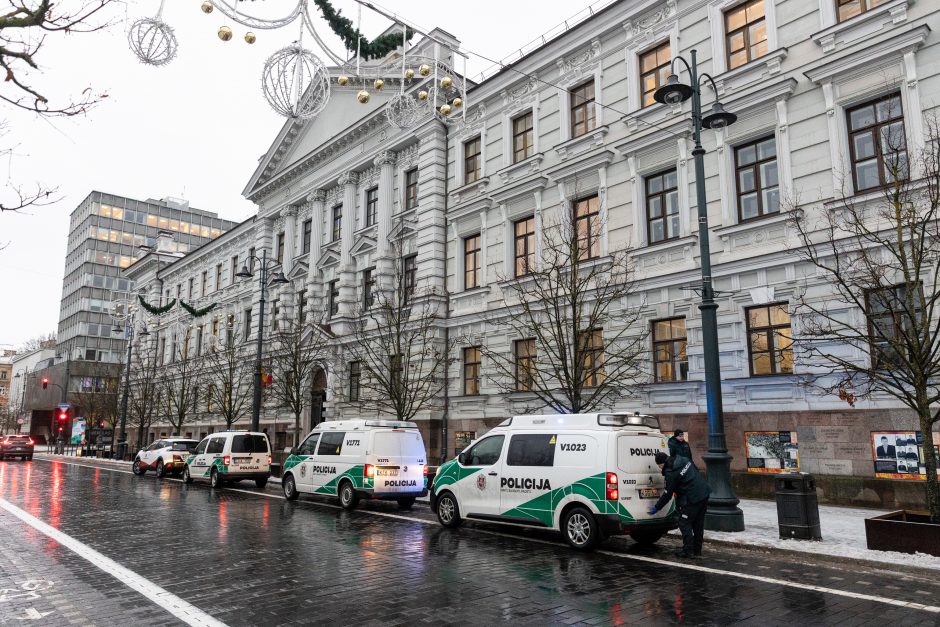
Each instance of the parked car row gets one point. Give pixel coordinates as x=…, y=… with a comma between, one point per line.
x=13, y=446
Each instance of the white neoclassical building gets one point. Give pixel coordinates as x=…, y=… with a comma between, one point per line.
x=571, y=128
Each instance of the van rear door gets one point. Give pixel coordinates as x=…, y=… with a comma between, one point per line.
x=250, y=453
x=640, y=477
x=399, y=458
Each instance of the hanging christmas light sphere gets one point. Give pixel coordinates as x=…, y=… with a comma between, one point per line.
x=457, y=103
x=446, y=82
x=343, y=80
x=250, y=37
x=207, y=7
x=403, y=111
x=422, y=95
x=378, y=84
x=363, y=96
x=152, y=41
x=225, y=33
x=295, y=82
x=409, y=74
x=445, y=109
x=424, y=70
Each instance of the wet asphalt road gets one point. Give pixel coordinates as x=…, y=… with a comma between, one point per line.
x=247, y=557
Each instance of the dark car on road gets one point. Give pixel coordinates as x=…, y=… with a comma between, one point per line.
x=16, y=446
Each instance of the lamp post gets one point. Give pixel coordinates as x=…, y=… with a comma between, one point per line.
x=723, y=513
x=128, y=330
x=278, y=279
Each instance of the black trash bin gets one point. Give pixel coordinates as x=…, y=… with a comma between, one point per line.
x=797, y=506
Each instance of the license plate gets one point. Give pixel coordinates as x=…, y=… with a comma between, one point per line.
x=242, y=460
x=388, y=472
x=649, y=493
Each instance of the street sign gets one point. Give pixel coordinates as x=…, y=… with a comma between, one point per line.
x=64, y=405
x=20, y=421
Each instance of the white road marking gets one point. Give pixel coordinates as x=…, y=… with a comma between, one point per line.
x=638, y=558
x=189, y=614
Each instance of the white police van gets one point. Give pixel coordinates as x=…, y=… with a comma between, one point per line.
x=587, y=475
x=349, y=459
x=230, y=456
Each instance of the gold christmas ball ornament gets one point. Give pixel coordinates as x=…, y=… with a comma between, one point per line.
x=225, y=33
x=409, y=74
x=207, y=7
x=378, y=84
x=343, y=80
x=457, y=103
x=424, y=70
x=422, y=95
x=446, y=82
x=250, y=37
x=445, y=109
x=363, y=96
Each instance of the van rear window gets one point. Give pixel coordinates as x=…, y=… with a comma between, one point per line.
x=249, y=444
x=531, y=450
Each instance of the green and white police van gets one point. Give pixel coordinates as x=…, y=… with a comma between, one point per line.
x=588, y=476
x=230, y=456
x=353, y=459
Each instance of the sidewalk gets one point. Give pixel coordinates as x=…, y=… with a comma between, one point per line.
x=843, y=528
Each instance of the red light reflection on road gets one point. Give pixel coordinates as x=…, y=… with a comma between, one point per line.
x=223, y=521
x=677, y=604
x=616, y=614
x=265, y=514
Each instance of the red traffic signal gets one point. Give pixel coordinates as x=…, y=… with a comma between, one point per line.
x=45, y=382
x=62, y=414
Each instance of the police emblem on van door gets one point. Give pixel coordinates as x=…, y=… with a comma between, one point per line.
x=481, y=482
x=303, y=470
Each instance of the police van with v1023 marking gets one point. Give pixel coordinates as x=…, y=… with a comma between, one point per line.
x=230, y=456
x=588, y=476
x=349, y=459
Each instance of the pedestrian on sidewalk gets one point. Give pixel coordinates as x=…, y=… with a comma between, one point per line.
x=678, y=447
x=691, y=491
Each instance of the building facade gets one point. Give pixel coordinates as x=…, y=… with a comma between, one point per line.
x=571, y=129
x=25, y=365
x=7, y=402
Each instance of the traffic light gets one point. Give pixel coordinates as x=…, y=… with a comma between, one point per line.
x=45, y=382
x=62, y=415
x=101, y=424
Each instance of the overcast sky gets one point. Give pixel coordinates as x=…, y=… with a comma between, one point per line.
x=193, y=129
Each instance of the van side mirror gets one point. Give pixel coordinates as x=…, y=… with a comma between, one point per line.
x=292, y=451
x=462, y=458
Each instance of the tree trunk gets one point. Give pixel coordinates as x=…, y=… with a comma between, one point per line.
x=930, y=462
x=297, y=429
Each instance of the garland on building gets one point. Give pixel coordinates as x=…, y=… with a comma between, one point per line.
x=156, y=311
x=343, y=27
x=197, y=313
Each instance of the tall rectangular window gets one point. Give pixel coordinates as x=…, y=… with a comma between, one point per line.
x=275, y=315
x=758, y=188
x=218, y=276
x=587, y=225
x=850, y=8
x=411, y=188
x=662, y=206
x=877, y=145
x=524, y=238
x=302, y=307
x=745, y=33
x=471, y=160
x=372, y=205
x=471, y=370
x=524, y=353
x=889, y=323
x=409, y=278
x=334, y=298
x=355, y=380
x=592, y=357
x=337, y=230
x=583, y=115
x=204, y=283
x=471, y=261
x=368, y=287
x=246, y=316
x=251, y=259
x=670, y=362
x=523, y=137
x=305, y=242
x=189, y=289
x=769, y=341
x=654, y=69
x=280, y=247
x=233, y=270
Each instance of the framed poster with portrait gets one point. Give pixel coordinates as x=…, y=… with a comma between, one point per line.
x=899, y=454
x=772, y=451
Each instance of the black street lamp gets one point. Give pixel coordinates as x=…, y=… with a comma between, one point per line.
x=279, y=279
x=128, y=330
x=723, y=512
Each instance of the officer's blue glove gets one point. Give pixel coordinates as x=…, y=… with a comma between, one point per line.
x=652, y=510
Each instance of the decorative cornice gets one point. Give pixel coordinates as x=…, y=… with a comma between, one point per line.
x=317, y=195
x=646, y=22
x=349, y=178
x=386, y=157
x=575, y=64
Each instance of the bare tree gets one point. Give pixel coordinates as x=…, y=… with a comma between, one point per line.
x=399, y=345
x=580, y=345
x=98, y=398
x=873, y=331
x=298, y=350
x=228, y=367
x=179, y=382
x=40, y=341
x=144, y=393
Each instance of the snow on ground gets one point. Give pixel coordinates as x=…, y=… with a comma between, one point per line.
x=843, y=532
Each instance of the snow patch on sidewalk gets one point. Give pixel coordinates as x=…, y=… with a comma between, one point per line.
x=843, y=532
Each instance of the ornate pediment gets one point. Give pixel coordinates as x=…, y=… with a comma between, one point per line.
x=364, y=244
x=330, y=257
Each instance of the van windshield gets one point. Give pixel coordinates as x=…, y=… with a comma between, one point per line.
x=249, y=444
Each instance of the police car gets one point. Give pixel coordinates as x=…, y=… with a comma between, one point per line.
x=230, y=456
x=588, y=476
x=166, y=455
x=349, y=459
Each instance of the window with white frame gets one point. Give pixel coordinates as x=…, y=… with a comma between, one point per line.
x=662, y=206
x=655, y=67
x=745, y=33
x=471, y=261
x=523, y=137
x=756, y=180
x=583, y=117
x=472, y=160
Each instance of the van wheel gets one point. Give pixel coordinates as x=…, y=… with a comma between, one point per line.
x=347, y=496
x=161, y=469
x=138, y=470
x=646, y=537
x=580, y=528
x=406, y=503
x=448, y=513
x=260, y=483
x=215, y=479
x=290, y=488
x=187, y=478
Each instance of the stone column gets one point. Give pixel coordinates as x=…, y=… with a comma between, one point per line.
x=316, y=201
x=386, y=162
x=350, y=183
x=290, y=235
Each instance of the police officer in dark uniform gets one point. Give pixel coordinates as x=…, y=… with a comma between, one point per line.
x=678, y=447
x=691, y=490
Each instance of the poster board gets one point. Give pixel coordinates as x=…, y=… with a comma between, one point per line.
x=899, y=455
x=463, y=439
x=772, y=451
x=78, y=430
